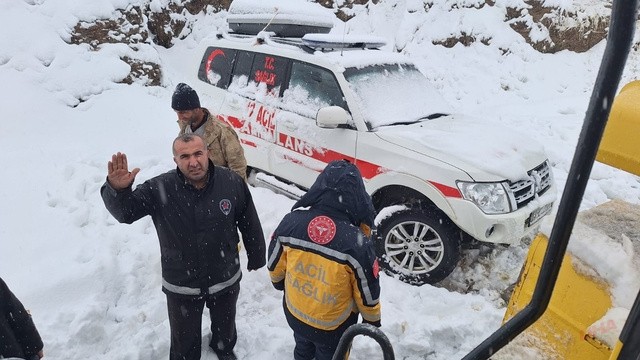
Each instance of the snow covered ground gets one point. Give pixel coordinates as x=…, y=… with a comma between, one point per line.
x=93, y=285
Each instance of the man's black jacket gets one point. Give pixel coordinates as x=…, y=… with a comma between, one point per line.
x=197, y=229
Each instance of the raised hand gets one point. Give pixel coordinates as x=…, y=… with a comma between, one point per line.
x=119, y=176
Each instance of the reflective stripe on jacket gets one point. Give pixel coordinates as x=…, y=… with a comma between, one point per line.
x=325, y=285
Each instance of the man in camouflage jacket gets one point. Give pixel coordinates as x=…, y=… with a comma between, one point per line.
x=222, y=141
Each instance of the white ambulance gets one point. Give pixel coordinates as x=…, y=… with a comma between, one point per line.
x=438, y=180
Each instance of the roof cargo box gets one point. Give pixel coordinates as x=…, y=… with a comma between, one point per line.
x=285, y=18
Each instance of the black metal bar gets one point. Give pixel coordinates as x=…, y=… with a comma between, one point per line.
x=363, y=329
x=619, y=40
x=630, y=335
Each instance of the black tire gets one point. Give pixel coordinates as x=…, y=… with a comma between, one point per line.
x=418, y=246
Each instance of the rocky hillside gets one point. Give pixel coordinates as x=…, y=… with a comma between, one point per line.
x=546, y=28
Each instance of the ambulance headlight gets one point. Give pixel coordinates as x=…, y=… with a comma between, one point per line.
x=491, y=198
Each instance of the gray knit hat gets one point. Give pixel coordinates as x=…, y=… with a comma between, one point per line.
x=184, y=98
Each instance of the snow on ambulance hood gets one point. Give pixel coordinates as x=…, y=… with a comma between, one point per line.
x=470, y=144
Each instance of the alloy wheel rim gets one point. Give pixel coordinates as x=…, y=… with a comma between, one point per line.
x=415, y=247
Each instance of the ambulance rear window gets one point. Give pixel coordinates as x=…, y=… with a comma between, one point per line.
x=215, y=67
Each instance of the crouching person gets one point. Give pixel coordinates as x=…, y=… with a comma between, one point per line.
x=324, y=260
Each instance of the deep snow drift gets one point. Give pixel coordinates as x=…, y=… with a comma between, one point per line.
x=93, y=285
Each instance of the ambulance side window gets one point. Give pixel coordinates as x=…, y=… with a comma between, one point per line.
x=268, y=73
x=311, y=88
x=215, y=66
x=241, y=73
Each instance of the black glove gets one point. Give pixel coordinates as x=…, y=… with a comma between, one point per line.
x=279, y=285
x=374, y=323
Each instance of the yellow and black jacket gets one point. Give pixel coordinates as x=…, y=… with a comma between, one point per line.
x=322, y=259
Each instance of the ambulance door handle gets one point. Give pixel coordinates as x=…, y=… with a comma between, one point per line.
x=287, y=126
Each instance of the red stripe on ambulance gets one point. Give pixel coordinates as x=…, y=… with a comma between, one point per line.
x=447, y=191
x=367, y=169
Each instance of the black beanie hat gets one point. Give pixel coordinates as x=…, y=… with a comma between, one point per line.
x=184, y=98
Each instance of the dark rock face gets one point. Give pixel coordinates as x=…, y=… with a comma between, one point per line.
x=140, y=25
x=567, y=31
x=137, y=26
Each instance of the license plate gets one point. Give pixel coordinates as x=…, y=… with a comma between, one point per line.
x=537, y=214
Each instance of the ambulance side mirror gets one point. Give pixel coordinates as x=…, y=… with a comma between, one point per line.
x=331, y=117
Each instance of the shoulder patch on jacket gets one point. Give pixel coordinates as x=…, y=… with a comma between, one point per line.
x=321, y=230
